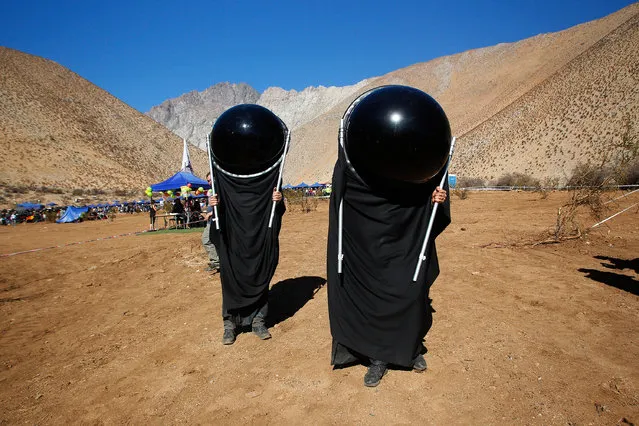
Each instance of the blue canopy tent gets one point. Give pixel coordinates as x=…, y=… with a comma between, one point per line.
x=301, y=186
x=51, y=204
x=71, y=214
x=34, y=206
x=287, y=186
x=179, y=180
x=317, y=185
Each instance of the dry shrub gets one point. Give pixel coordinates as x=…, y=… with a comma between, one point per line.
x=629, y=175
x=566, y=226
x=297, y=200
x=462, y=193
x=470, y=182
x=113, y=213
x=585, y=174
x=547, y=186
x=18, y=189
x=517, y=179
x=50, y=215
x=309, y=204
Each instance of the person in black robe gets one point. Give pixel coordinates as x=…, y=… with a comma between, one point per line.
x=378, y=315
x=248, y=249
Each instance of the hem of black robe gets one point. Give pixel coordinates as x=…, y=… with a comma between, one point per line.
x=342, y=356
x=244, y=316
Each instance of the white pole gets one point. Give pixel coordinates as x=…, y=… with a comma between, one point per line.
x=279, y=179
x=422, y=257
x=616, y=214
x=621, y=196
x=340, y=254
x=208, y=148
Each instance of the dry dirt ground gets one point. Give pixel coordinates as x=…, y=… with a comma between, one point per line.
x=127, y=330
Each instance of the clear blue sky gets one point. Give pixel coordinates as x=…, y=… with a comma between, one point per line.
x=145, y=52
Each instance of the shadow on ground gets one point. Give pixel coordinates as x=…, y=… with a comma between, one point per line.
x=620, y=281
x=287, y=297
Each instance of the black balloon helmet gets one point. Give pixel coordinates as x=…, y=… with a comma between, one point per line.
x=247, y=139
x=396, y=133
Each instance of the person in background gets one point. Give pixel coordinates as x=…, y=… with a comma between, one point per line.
x=178, y=208
x=207, y=243
x=152, y=212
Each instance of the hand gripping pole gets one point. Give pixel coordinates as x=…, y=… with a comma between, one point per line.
x=422, y=256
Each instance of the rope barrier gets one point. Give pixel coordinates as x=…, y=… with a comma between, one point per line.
x=81, y=242
x=71, y=244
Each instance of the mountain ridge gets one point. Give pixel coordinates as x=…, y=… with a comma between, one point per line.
x=59, y=130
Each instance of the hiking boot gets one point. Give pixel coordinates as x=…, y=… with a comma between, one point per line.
x=374, y=374
x=212, y=268
x=261, y=331
x=419, y=364
x=229, y=336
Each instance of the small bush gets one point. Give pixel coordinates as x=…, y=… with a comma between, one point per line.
x=470, y=182
x=51, y=215
x=585, y=174
x=77, y=191
x=517, y=179
x=462, y=193
x=630, y=174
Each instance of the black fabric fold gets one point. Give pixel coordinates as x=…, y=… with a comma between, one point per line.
x=376, y=310
x=247, y=247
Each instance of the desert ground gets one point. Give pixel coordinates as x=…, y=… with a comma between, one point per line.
x=127, y=330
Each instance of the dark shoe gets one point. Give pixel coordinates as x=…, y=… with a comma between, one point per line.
x=261, y=331
x=212, y=268
x=229, y=336
x=374, y=374
x=419, y=364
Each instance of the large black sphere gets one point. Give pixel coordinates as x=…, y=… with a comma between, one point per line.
x=247, y=139
x=397, y=133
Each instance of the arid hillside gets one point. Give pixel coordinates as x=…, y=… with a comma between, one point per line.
x=60, y=131
x=586, y=112
x=539, y=106
x=478, y=86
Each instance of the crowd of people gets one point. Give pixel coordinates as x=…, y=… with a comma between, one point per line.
x=15, y=216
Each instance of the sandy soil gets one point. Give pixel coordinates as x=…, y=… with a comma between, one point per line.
x=127, y=330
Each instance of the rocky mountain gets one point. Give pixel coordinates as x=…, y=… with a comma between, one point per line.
x=479, y=90
x=480, y=84
x=191, y=115
x=538, y=106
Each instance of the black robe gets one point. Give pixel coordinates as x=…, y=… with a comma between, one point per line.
x=247, y=247
x=376, y=311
